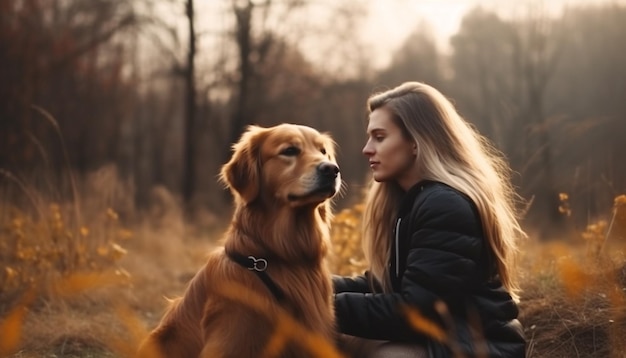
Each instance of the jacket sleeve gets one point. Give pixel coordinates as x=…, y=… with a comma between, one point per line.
x=352, y=284
x=444, y=247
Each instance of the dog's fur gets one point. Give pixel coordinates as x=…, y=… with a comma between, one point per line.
x=282, y=178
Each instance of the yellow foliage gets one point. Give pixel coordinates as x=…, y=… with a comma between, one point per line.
x=564, y=207
x=33, y=248
x=346, y=242
x=574, y=278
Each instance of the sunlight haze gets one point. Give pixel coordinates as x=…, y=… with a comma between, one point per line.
x=389, y=22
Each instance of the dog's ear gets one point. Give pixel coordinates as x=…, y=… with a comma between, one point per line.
x=242, y=173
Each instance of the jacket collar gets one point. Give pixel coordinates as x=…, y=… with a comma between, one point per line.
x=406, y=204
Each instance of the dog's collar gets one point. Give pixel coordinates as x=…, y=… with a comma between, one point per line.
x=259, y=266
x=276, y=260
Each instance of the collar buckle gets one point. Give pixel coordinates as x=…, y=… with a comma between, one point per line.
x=258, y=265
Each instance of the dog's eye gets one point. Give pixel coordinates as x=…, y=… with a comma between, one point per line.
x=323, y=151
x=290, y=151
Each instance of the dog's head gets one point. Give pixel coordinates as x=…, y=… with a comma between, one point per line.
x=288, y=164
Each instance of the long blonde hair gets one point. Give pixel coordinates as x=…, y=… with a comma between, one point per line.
x=450, y=151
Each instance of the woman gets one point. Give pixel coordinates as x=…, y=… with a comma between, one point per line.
x=440, y=233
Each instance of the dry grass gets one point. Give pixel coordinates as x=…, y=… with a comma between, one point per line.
x=574, y=302
x=94, y=287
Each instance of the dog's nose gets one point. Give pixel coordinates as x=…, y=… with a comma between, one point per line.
x=328, y=169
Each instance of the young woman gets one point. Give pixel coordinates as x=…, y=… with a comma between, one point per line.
x=440, y=235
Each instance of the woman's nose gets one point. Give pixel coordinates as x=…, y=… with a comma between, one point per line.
x=367, y=149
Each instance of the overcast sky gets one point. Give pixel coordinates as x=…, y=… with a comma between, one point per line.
x=390, y=21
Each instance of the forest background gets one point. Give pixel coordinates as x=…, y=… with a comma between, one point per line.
x=131, y=106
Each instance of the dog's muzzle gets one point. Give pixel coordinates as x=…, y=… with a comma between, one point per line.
x=328, y=170
x=327, y=178
x=327, y=182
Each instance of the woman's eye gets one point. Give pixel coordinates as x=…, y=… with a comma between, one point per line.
x=379, y=138
x=290, y=151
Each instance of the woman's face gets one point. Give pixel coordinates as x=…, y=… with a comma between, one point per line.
x=391, y=155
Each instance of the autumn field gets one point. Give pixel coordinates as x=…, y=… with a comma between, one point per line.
x=140, y=100
x=81, y=277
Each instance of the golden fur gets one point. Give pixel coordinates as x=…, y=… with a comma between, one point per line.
x=282, y=178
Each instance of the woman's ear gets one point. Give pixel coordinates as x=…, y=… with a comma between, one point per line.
x=242, y=173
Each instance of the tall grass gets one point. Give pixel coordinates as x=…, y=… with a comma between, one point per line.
x=574, y=304
x=46, y=255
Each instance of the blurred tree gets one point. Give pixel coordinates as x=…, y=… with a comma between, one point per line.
x=250, y=51
x=253, y=71
x=541, y=47
x=486, y=75
x=164, y=68
x=254, y=42
x=66, y=57
x=501, y=72
x=274, y=82
x=588, y=93
x=418, y=59
x=190, y=141
x=340, y=108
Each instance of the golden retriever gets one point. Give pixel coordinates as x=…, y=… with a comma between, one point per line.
x=282, y=178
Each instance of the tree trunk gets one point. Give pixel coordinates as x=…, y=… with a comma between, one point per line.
x=189, y=171
x=244, y=27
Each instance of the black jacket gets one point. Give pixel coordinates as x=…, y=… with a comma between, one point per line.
x=438, y=254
